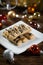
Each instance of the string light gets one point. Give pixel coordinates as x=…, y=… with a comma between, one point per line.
x=30, y=16
x=38, y=26
x=0, y=15
x=17, y=15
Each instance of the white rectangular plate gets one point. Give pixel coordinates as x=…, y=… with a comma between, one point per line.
x=17, y=50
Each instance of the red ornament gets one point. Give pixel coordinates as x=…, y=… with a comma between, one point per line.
x=34, y=49
x=0, y=25
x=3, y=17
x=0, y=17
x=33, y=24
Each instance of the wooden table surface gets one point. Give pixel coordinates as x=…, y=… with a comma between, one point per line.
x=25, y=58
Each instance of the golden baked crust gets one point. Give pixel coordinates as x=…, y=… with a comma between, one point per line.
x=18, y=34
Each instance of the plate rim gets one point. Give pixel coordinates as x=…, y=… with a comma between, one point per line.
x=20, y=51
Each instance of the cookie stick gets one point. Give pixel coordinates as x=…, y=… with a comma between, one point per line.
x=15, y=28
